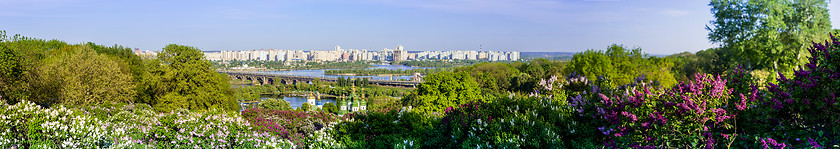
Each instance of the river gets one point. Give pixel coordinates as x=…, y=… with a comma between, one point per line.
x=297, y=101
x=320, y=72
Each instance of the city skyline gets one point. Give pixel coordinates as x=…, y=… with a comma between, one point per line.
x=396, y=55
x=658, y=27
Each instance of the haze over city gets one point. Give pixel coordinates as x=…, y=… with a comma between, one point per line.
x=658, y=27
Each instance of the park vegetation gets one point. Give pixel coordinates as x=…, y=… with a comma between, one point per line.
x=56, y=73
x=773, y=83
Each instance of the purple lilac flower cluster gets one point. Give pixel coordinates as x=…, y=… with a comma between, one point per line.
x=697, y=105
x=768, y=143
x=811, y=95
x=292, y=125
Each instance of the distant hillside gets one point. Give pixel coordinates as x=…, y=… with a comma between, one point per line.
x=563, y=56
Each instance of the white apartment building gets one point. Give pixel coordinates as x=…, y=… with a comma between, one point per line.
x=397, y=54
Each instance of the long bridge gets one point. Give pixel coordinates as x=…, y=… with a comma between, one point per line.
x=265, y=78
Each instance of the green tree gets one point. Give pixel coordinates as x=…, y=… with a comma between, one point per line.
x=83, y=77
x=182, y=78
x=443, y=90
x=621, y=65
x=365, y=82
x=591, y=64
x=305, y=107
x=768, y=34
x=709, y=61
x=523, y=82
x=340, y=81
x=12, y=78
x=275, y=104
x=330, y=107
x=18, y=57
x=494, y=78
x=316, y=82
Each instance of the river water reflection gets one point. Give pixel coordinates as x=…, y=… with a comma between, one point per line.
x=295, y=102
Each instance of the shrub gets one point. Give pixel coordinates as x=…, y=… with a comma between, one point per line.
x=27, y=125
x=807, y=104
x=443, y=90
x=690, y=115
x=275, y=104
x=296, y=126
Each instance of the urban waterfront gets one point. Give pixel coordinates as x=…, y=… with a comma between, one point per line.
x=296, y=102
x=320, y=73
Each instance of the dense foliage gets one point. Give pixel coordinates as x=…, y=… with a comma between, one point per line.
x=806, y=104
x=300, y=127
x=768, y=34
x=54, y=72
x=621, y=65
x=442, y=90
x=726, y=97
x=275, y=104
x=182, y=78
x=77, y=75
x=27, y=125
x=707, y=111
x=492, y=78
x=50, y=72
x=345, y=82
x=709, y=61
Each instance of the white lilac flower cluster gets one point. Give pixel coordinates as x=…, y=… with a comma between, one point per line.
x=324, y=139
x=26, y=124
x=407, y=144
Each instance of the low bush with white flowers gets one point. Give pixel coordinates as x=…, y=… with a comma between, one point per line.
x=27, y=125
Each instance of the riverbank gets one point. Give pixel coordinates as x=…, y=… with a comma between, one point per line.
x=385, y=72
x=356, y=74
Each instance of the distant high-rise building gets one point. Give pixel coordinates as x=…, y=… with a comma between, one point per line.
x=400, y=55
x=482, y=55
x=472, y=55
x=396, y=55
x=345, y=56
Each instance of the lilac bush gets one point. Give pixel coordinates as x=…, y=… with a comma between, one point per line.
x=690, y=115
x=297, y=126
x=27, y=125
x=797, y=107
x=810, y=97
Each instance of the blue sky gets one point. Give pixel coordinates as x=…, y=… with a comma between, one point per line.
x=656, y=26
